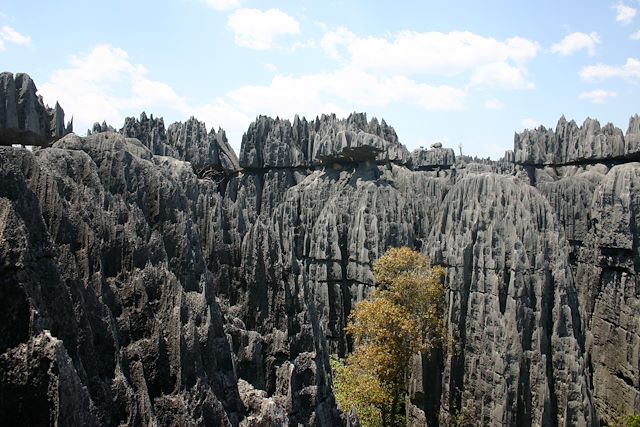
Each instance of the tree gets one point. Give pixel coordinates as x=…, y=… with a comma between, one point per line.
x=355, y=387
x=403, y=317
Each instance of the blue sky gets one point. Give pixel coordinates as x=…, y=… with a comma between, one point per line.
x=464, y=72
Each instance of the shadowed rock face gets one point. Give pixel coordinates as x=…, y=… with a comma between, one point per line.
x=592, y=188
x=24, y=119
x=147, y=276
x=104, y=253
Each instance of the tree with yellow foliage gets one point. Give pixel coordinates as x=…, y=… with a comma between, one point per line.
x=405, y=316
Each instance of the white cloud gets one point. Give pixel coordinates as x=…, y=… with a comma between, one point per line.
x=530, y=123
x=221, y=113
x=501, y=75
x=224, y=4
x=270, y=67
x=342, y=91
x=2, y=47
x=635, y=36
x=282, y=98
x=625, y=14
x=434, y=52
x=323, y=26
x=629, y=71
x=443, y=54
x=333, y=40
x=8, y=34
x=598, y=96
x=575, y=42
x=493, y=104
x=105, y=85
x=149, y=92
x=256, y=29
x=303, y=45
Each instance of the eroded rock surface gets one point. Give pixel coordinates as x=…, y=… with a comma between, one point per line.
x=571, y=143
x=101, y=247
x=434, y=158
x=518, y=356
x=590, y=177
x=608, y=267
x=187, y=141
x=271, y=143
x=24, y=118
x=148, y=276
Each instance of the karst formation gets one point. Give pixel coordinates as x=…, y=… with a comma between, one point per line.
x=150, y=276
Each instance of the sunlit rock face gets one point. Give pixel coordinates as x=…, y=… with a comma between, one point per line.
x=608, y=267
x=571, y=143
x=590, y=175
x=151, y=276
x=187, y=141
x=517, y=356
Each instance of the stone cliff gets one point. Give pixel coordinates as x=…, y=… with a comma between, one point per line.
x=590, y=176
x=151, y=277
x=24, y=118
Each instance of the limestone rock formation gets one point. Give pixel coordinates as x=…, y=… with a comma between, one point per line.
x=187, y=141
x=36, y=378
x=518, y=352
x=573, y=144
x=103, y=250
x=434, y=158
x=570, y=191
x=609, y=272
x=100, y=127
x=24, y=119
x=590, y=179
x=276, y=143
x=131, y=236
x=148, y=130
x=150, y=277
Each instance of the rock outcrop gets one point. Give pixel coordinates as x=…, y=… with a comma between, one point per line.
x=101, y=247
x=187, y=141
x=24, y=118
x=434, y=158
x=571, y=144
x=278, y=143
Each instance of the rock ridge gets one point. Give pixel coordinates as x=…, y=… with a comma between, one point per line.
x=573, y=144
x=187, y=141
x=276, y=143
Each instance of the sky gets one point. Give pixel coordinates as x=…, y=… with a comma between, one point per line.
x=465, y=73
